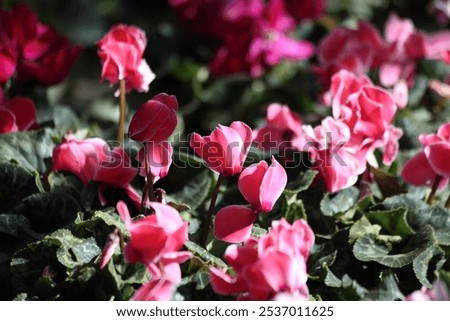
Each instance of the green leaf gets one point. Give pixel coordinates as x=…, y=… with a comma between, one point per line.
x=194, y=192
x=16, y=183
x=258, y=231
x=14, y=225
x=301, y=183
x=332, y=280
x=28, y=264
x=422, y=262
x=48, y=211
x=321, y=256
x=393, y=222
x=339, y=202
x=295, y=211
x=387, y=290
x=73, y=251
x=363, y=227
x=110, y=218
x=28, y=149
x=205, y=255
x=369, y=248
x=421, y=214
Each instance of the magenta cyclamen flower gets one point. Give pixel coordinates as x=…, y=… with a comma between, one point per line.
x=121, y=53
x=93, y=160
x=157, y=237
x=156, y=240
x=282, y=126
x=332, y=154
x=225, y=150
x=368, y=111
x=155, y=120
x=426, y=165
x=261, y=185
x=268, y=267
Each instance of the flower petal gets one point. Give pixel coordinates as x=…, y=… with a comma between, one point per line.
x=234, y=223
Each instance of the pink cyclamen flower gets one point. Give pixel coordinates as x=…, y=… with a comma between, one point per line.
x=368, y=111
x=93, y=160
x=155, y=120
x=426, y=165
x=33, y=50
x=156, y=238
x=159, y=157
x=17, y=114
x=356, y=50
x=80, y=157
x=268, y=267
x=338, y=161
x=438, y=292
x=225, y=150
x=282, y=126
x=261, y=184
x=121, y=53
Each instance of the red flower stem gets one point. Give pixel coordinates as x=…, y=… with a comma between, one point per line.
x=434, y=188
x=143, y=198
x=123, y=107
x=150, y=188
x=208, y=222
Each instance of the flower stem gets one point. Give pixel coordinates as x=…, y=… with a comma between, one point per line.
x=434, y=188
x=123, y=107
x=447, y=202
x=149, y=176
x=208, y=222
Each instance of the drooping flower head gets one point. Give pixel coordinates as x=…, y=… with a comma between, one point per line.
x=155, y=120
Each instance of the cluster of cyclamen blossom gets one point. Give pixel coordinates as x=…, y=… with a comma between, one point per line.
x=30, y=51
x=254, y=34
x=342, y=145
x=273, y=266
x=395, y=57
